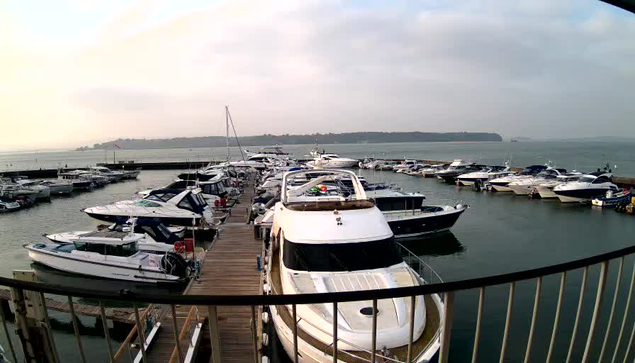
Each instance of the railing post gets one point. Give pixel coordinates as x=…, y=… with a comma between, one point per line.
x=142, y=338
x=599, y=297
x=508, y=318
x=335, y=313
x=254, y=333
x=556, y=320
x=413, y=300
x=76, y=329
x=175, y=331
x=104, y=322
x=626, y=310
x=214, y=333
x=448, y=316
x=534, y=317
x=295, y=334
x=374, y=333
x=610, y=322
x=578, y=313
x=479, y=315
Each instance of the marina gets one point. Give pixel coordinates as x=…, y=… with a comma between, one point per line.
x=230, y=261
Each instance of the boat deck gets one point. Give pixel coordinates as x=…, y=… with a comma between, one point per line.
x=229, y=268
x=433, y=322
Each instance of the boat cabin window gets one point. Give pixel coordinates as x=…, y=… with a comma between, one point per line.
x=161, y=197
x=341, y=256
x=398, y=203
x=124, y=250
x=147, y=203
x=602, y=179
x=185, y=204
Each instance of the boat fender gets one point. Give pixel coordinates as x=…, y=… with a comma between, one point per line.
x=179, y=247
x=265, y=289
x=459, y=206
x=265, y=317
x=265, y=339
x=265, y=359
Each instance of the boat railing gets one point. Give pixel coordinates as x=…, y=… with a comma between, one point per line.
x=426, y=273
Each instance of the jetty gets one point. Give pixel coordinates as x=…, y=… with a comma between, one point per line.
x=229, y=268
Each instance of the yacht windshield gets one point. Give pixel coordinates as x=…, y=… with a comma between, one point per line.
x=341, y=257
x=586, y=179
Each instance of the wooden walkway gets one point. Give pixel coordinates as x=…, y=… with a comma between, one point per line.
x=229, y=268
x=120, y=315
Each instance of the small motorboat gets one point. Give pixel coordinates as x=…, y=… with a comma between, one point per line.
x=112, y=255
x=114, y=176
x=155, y=237
x=408, y=217
x=8, y=205
x=171, y=207
x=79, y=179
x=613, y=198
x=58, y=187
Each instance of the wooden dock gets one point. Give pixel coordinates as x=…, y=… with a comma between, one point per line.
x=229, y=268
x=119, y=315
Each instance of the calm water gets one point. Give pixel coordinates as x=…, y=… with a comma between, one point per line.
x=571, y=155
x=499, y=233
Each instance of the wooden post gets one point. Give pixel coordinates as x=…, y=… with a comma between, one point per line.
x=32, y=323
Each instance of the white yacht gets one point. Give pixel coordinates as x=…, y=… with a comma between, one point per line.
x=112, y=255
x=171, y=207
x=488, y=173
x=545, y=190
x=8, y=205
x=431, y=171
x=154, y=236
x=501, y=184
x=317, y=241
x=456, y=168
x=329, y=160
x=114, y=176
x=526, y=186
x=42, y=192
x=404, y=165
x=79, y=178
x=585, y=188
x=58, y=187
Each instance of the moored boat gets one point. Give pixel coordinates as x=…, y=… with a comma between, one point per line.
x=327, y=243
x=613, y=198
x=112, y=255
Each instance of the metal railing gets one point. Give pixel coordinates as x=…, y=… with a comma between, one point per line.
x=619, y=323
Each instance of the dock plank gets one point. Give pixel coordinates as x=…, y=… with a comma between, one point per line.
x=229, y=268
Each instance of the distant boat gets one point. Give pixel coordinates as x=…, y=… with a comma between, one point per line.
x=514, y=140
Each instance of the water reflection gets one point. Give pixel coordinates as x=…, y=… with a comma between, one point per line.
x=440, y=244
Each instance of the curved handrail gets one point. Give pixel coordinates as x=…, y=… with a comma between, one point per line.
x=318, y=298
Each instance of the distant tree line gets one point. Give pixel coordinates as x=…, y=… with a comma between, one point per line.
x=286, y=139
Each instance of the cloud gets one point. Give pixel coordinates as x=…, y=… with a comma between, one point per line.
x=539, y=68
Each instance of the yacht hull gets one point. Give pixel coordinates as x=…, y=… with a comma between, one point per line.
x=502, y=188
x=522, y=190
x=175, y=221
x=406, y=225
x=99, y=269
x=579, y=196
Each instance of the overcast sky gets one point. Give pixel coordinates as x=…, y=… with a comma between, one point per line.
x=75, y=72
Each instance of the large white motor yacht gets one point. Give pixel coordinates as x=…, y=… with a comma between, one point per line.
x=501, y=184
x=545, y=190
x=526, y=186
x=323, y=242
x=585, y=188
x=329, y=160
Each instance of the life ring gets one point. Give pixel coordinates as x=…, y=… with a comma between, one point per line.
x=179, y=247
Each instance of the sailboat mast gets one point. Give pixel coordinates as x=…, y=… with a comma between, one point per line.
x=227, y=130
